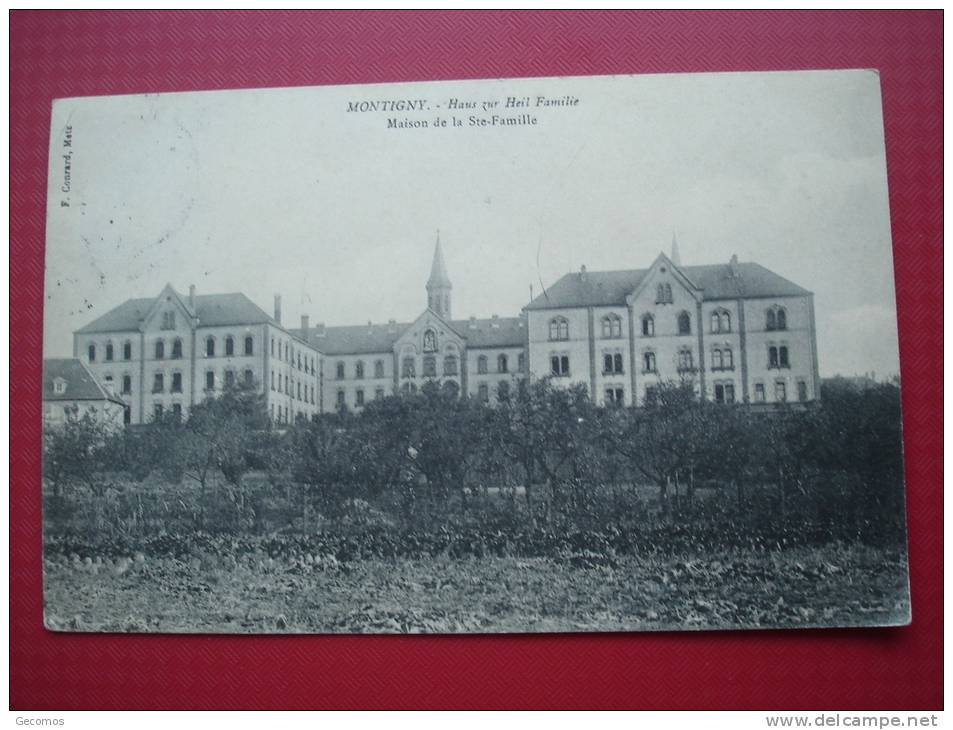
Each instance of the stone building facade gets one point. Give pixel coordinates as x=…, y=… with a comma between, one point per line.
x=737, y=331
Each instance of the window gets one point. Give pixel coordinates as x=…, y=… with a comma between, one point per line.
x=126, y=384
x=482, y=365
x=177, y=411
x=611, y=326
x=559, y=365
x=430, y=341
x=160, y=349
x=341, y=399
x=614, y=395
x=91, y=353
x=728, y=359
x=210, y=380
x=450, y=365
x=249, y=345
x=108, y=382
x=502, y=364
x=716, y=361
x=801, y=390
x=359, y=370
x=287, y=385
x=759, y=392
x=272, y=379
x=229, y=346
x=157, y=411
x=776, y=318
x=780, y=391
x=272, y=346
x=521, y=362
x=612, y=363
x=773, y=357
x=299, y=389
x=176, y=382
x=408, y=368
x=783, y=357
x=379, y=369
x=229, y=378
x=483, y=393
x=663, y=294
x=720, y=321
x=648, y=362
x=651, y=395
x=176, y=349
x=684, y=323
x=648, y=325
x=109, y=351
x=158, y=383
x=359, y=397
x=249, y=378
x=430, y=366
x=339, y=371
x=685, y=360
x=59, y=386
x=127, y=351
x=724, y=393
x=379, y=393
x=168, y=320
x=299, y=360
x=559, y=328
x=209, y=347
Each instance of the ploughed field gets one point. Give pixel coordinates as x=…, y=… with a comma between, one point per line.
x=258, y=590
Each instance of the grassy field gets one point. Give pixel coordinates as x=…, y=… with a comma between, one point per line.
x=832, y=586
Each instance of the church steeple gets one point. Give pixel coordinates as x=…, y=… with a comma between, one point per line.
x=438, y=285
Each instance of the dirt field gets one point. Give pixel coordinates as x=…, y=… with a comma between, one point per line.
x=833, y=586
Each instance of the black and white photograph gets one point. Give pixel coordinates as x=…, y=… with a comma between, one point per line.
x=583, y=354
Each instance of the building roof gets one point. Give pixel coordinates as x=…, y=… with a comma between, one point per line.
x=81, y=384
x=213, y=310
x=380, y=338
x=717, y=281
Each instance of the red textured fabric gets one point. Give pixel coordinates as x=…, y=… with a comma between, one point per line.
x=57, y=54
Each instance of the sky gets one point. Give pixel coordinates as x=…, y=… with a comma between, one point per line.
x=286, y=191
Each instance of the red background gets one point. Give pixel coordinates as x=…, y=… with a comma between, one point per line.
x=57, y=54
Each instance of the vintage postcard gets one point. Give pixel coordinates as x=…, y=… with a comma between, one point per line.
x=519, y=355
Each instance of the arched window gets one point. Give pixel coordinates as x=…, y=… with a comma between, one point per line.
x=176, y=348
x=229, y=346
x=611, y=326
x=783, y=357
x=379, y=369
x=663, y=294
x=728, y=359
x=359, y=369
x=430, y=341
x=685, y=361
x=716, y=361
x=715, y=322
x=648, y=362
x=502, y=364
x=160, y=349
x=430, y=366
x=648, y=325
x=782, y=318
x=127, y=350
x=339, y=370
x=684, y=323
x=773, y=357
x=725, y=321
x=450, y=365
x=249, y=345
x=720, y=321
x=776, y=318
x=209, y=347
x=481, y=365
x=559, y=328
x=109, y=351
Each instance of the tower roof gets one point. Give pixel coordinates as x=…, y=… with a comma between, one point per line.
x=438, y=269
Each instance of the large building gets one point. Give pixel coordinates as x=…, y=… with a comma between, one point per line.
x=738, y=331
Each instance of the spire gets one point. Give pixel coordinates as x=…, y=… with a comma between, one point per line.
x=438, y=285
x=675, y=258
x=438, y=270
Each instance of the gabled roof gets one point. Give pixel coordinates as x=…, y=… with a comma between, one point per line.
x=380, y=338
x=213, y=310
x=745, y=280
x=81, y=384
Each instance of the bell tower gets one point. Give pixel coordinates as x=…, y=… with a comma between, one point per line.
x=438, y=285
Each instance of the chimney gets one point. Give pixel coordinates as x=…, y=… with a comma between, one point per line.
x=319, y=329
x=472, y=322
x=392, y=325
x=733, y=265
x=495, y=323
x=305, y=326
x=278, y=308
x=582, y=272
x=192, y=297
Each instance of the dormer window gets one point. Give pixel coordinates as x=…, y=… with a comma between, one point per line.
x=59, y=386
